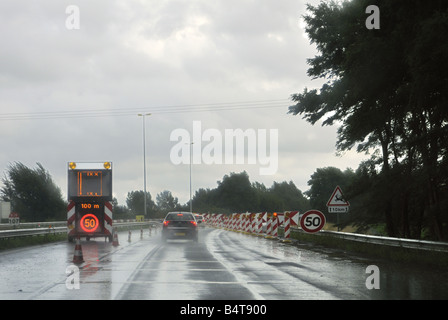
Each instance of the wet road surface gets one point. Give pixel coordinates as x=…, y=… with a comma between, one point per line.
x=222, y=265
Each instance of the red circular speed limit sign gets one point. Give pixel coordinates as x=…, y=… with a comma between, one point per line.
x=312, y=221
x=89, y=223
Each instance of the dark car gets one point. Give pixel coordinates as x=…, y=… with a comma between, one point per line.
x=200, y=220
x=180, y=225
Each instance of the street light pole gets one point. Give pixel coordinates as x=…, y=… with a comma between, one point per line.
x=191, y=160
x=144, y=160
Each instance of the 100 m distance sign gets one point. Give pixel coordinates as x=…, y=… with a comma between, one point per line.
x=89, y=220
x=312, y=221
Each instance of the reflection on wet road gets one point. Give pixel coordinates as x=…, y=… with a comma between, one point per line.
x=222, y=265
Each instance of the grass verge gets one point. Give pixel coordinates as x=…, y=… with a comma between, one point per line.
x=12, y=243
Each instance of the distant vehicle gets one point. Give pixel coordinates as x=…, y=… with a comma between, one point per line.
x=180, y=225
x=200, y=220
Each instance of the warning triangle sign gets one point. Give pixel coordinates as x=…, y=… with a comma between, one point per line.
x=294, y=216
x=337, y=199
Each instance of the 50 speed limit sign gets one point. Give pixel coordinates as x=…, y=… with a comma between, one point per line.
x=312, y=221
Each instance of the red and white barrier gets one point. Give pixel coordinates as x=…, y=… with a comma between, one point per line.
x=71, y=219
x=287, y=227
x=252, y=223
x=274, y=227
x=260, y=223
x=246, y=223
x=108, y=219
x=269, y=227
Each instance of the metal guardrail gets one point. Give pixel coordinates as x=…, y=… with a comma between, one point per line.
x=387, y=241
x=13, y=233
x=31, y=225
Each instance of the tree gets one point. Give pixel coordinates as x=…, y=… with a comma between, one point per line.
x=388, y=98
x=265, y=199
x=32, y=193
x=235, y=193
x=290, y=197
x=166, y=202
x=322, y=184
x=204, y=200
x=135, y=203
x=120, y=211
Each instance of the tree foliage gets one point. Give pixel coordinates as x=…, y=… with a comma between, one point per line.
x=235, y=193
x=322, y=183
x=32, y=193
x=35, y=196
x=166, y=202
x=387, y=90
x=135, y=201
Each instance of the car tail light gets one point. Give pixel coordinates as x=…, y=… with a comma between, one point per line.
x=165, y=223
x=193, y=223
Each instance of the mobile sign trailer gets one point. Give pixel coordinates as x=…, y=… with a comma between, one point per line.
x=89, y=211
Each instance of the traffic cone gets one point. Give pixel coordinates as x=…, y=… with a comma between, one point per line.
x=77, y=257
x=115, y=238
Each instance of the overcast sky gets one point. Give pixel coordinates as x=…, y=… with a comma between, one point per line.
x=73, y=94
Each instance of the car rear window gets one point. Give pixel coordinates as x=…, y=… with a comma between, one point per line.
x=179, y=216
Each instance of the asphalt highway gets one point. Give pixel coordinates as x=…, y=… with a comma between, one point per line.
x=223, y=265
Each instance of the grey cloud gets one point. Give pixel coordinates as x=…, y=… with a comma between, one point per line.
x=132, y=55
